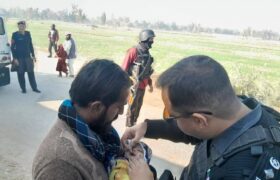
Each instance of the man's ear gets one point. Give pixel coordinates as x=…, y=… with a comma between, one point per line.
x=200, y=119
x=97, y=107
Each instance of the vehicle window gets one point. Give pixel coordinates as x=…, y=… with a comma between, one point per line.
x=2, y=30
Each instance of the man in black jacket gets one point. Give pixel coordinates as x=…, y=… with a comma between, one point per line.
x=234, y=139
x=24, y=56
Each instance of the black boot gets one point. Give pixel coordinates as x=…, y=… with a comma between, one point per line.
x=37, y=90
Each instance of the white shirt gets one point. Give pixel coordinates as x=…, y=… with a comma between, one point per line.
x=67, y=46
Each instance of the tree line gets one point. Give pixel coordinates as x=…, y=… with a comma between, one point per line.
x=76, y=14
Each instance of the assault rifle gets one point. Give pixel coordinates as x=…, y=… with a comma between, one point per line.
x=137, y=77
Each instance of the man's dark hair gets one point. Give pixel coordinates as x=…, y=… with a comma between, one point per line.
x=21, y=22
x=99, y=80
x=198, y=83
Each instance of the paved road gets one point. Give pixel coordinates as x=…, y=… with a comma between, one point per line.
x=26, y=118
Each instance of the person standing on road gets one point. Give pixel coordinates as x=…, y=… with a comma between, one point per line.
x=24, y=57
x=234, y=138
x=53, y=39
x=137, y=63
x=70, y=48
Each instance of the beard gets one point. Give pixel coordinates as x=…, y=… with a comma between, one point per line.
x=100, y=125
x=145, y=46
x=149, y=44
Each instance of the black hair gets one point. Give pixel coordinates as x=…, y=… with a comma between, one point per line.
x=21, y=22
x=198, y=83
x=99, y=80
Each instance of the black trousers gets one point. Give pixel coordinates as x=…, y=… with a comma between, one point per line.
x=52, y=44
x=134, y=108
x=32, y=81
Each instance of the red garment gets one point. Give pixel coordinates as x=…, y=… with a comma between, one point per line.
x=128, y=61
x=61, y=63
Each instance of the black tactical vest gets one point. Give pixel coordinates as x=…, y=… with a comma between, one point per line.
x=142, y=67
x=256, y=139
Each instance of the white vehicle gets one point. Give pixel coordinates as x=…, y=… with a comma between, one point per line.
x=5, y=55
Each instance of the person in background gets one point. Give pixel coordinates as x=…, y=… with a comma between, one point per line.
x=53, y=39
x=61, y=62
x=24, y=56
x=70, y=48
x=137, y=63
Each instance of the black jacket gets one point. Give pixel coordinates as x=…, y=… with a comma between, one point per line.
x=241, y=165
x=23, y=51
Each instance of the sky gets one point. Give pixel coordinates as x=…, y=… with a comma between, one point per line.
x=231, y=14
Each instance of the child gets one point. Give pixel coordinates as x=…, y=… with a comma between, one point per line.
x=119, y=169
x=61, y=63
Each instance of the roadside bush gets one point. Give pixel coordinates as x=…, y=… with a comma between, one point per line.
x=251, y=81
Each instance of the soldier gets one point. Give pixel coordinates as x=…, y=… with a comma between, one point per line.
x=138, y=63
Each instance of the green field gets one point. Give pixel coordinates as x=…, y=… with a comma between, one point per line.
x=252, y=63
